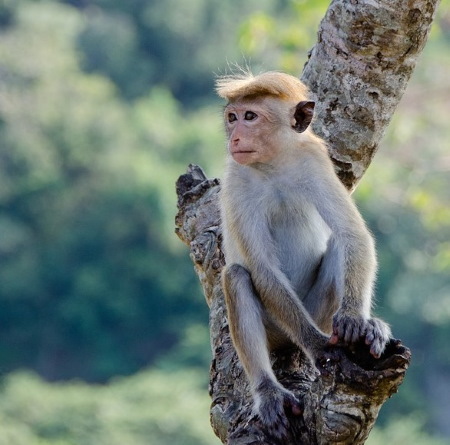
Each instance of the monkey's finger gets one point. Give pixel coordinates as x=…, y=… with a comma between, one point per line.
x=351, y=331
x=334, y=339
x=377, y=347
x=375, y=351
x=359, y=332
x=296, y=410
x=290, y=401
x=370, y=337
x=295, y=407
x=339, y=329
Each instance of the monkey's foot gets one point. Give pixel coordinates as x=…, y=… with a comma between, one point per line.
x=272, y=403
x=350, y=329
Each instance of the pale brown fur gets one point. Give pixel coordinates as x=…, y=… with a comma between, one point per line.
x=300, y=261
x=270, y=83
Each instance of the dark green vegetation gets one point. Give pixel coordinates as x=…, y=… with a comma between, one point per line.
x=102, y=105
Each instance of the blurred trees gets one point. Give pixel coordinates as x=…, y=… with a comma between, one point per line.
x=138, y=410
x=406, y=198
x=102, y=106
x=86, y=209
x=140, y=44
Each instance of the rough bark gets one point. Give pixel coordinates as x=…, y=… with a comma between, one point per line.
x=358, y=72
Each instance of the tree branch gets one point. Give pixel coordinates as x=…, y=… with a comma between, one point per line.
x=358, y=72
x=340, y=404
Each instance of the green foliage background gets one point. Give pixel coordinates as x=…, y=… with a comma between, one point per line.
x=103, y=328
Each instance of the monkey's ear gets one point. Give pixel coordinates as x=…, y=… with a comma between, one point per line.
x=303, y=115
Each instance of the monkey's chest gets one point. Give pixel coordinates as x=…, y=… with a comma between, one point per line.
x=300, y=236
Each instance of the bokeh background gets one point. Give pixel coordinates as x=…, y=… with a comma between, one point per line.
x=103, y=104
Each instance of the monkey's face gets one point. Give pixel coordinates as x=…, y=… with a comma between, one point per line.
x=250, y=126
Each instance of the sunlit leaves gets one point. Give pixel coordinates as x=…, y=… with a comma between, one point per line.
x=280, y=42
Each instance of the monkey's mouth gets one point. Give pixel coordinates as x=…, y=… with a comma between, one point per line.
x=242, y=151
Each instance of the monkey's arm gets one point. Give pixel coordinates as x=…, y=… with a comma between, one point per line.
x=349, y=265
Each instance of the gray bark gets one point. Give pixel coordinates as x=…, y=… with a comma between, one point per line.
x=358, y=71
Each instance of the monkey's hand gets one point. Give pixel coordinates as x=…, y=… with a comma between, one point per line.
x=272, y=402
x=350, y=329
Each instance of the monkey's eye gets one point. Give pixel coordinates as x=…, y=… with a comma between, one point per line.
x=231, y=117
x=249, y=116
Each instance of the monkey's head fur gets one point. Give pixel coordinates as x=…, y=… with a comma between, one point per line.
x=272, y=83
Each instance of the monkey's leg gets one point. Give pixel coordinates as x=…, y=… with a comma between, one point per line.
x=324, y=303
x=324, y=298
x=246, y=321
x=275, y=291
x=288, y=312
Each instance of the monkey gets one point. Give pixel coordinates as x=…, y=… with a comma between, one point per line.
x=300, y=260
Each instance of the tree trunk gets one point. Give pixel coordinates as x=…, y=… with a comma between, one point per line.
x=358, y=71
